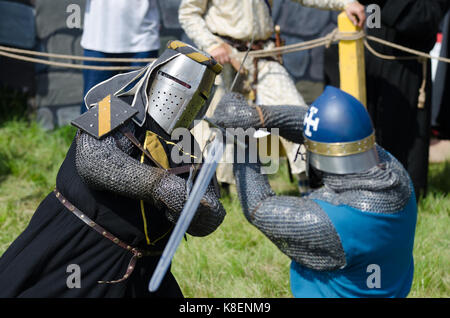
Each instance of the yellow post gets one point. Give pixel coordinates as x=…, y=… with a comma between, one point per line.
x=351, y=62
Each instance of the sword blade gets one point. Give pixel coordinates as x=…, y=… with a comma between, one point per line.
x=198, y=190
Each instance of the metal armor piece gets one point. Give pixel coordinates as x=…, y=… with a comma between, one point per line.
x=104, y=117
x=339, y=134
x=178, y=92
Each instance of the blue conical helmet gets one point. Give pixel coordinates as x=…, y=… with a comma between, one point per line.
x=339, y=135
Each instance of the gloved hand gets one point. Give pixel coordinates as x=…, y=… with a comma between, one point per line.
x=171, y=192
x=233, y=111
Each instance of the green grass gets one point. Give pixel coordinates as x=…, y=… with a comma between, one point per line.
x=432, y=242
x=29, y=161
x=236, y=260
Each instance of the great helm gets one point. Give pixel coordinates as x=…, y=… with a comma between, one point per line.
x=181, y=87
x=339, y=135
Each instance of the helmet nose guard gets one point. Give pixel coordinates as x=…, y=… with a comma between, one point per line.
x=339, y=134
x=181, y=87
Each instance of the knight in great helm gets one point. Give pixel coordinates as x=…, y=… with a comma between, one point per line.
x=119, y=192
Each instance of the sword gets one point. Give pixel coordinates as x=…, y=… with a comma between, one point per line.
x=188, y=212
x=195, y=195
x=216, y=148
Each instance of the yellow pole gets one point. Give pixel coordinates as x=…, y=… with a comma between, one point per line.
x=351, y=62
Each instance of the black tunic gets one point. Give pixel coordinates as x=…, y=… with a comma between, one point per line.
x=393, y=86
x=442, y=124
x=36, y=263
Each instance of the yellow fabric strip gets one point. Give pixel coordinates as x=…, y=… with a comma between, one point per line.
x=153, y=144
x=144, y=219
x=196, y=56
x=104, y=116
x=176, y=44
x=178, y=146
x=145, y=222
x=156, y=149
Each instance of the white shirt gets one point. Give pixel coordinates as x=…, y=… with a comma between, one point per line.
x=121, y=26
x=239, y=19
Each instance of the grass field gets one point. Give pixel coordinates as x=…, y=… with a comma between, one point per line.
x=234, y=261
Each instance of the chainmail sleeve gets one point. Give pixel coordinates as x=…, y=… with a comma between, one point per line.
x=288, y=119
x=106, y=165
x=297, y=226
x=233, y=111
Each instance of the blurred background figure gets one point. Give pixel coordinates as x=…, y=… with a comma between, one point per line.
x=17, y=30
x=118, y=29
x=401, y=114
x=402, y=120
x=224, y=28
x=440, y=114
x=299, y=24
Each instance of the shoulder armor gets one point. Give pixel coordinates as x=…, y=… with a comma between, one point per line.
x=105, y=116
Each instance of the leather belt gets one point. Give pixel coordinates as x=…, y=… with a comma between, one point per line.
x=242, y=45
x=137, y=253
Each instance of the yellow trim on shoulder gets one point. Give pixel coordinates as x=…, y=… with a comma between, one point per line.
x=197, y=56
x=176, y=44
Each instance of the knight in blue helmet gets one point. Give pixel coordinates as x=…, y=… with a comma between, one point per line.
x=353, y=235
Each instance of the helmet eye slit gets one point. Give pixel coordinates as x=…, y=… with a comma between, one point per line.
x=174, y=79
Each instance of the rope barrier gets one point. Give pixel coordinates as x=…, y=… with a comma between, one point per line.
x=77, y=58
x=405, y=49
x=336, y=36
x=327, y=40
x=67, y=65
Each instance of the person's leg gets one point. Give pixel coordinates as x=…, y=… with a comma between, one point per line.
x=142, y=55
x=276, y=87
x=93, y=77
x=224, y=171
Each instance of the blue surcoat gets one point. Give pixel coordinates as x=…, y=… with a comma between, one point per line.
x=379, y=255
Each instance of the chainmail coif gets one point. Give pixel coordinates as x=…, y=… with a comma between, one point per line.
x=385, y=188
x=107, y=165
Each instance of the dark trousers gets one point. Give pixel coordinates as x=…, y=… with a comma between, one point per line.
x=93, y=77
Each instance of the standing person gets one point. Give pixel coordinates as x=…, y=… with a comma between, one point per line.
x=441, y=94
x=119, y=191
x=353, y=236
x=222, y=27
x=402, y=120
x=118, y=29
